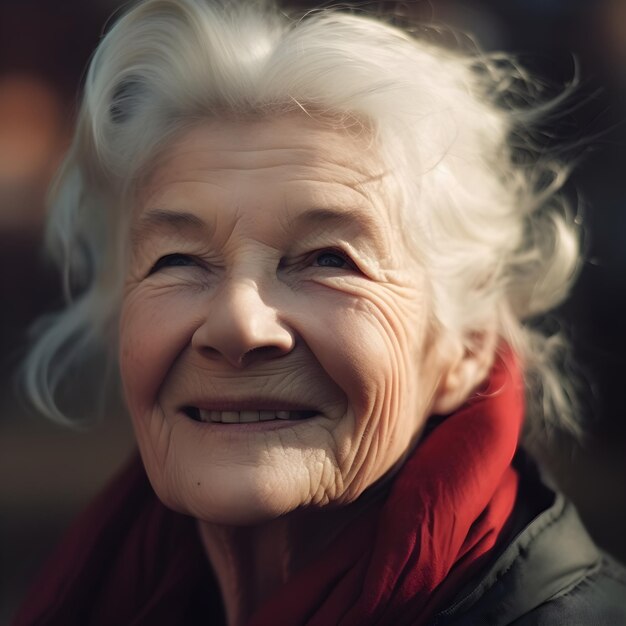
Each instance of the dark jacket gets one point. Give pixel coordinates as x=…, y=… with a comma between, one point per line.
x=549, y=574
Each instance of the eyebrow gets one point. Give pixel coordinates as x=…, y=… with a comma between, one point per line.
x=330, y=217
x=164, y=220
x=184, y=223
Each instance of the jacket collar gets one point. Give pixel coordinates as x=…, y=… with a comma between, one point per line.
x=547, y=558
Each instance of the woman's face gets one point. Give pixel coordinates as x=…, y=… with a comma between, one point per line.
x=277, y=349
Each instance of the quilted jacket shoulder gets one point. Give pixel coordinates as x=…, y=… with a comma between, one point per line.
x=551, y=574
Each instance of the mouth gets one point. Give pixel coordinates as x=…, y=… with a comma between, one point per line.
x=246, y=416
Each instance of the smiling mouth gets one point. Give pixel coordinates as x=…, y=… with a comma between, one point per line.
x=246, y=416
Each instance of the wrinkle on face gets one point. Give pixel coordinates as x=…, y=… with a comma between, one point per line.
x=250, y=206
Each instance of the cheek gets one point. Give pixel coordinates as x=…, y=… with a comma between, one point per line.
x=367, y=341
x=153, y=331
x=372, y=345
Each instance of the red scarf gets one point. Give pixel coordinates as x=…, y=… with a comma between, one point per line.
x=129, y=560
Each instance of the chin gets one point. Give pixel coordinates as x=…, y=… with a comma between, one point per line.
x=244, y=497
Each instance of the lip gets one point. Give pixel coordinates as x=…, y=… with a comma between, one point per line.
x=248, y=427
x=248, y=404
x=224, y=404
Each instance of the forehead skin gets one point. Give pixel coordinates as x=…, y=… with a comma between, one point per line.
x=327, y=171
x=268, y=143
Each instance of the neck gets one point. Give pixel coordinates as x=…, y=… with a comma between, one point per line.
x=253, y=562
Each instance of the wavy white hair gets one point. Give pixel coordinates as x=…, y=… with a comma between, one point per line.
x=489, y=226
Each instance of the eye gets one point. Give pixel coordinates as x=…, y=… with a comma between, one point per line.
x=173, y=260
x=333, y=259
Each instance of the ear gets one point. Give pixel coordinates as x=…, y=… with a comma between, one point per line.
x=466, y=366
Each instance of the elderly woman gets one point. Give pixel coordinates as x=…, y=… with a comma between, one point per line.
x=312, y=249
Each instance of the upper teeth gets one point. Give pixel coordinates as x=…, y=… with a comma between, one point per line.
x=236, y=417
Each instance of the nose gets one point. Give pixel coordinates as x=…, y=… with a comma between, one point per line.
x=241, y=328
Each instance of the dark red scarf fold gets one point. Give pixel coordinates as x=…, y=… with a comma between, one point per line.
x=129, y=560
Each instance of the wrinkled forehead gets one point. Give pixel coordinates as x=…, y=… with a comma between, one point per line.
x=271, y=148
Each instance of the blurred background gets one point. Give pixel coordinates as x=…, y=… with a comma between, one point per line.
x=48, y=473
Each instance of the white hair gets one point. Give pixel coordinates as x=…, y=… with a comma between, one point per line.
x=489, y=226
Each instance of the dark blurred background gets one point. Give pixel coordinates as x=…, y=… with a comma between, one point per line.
x=48, y=473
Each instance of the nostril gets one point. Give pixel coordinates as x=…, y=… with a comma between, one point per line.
x=265, y=351
x=262, y=353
